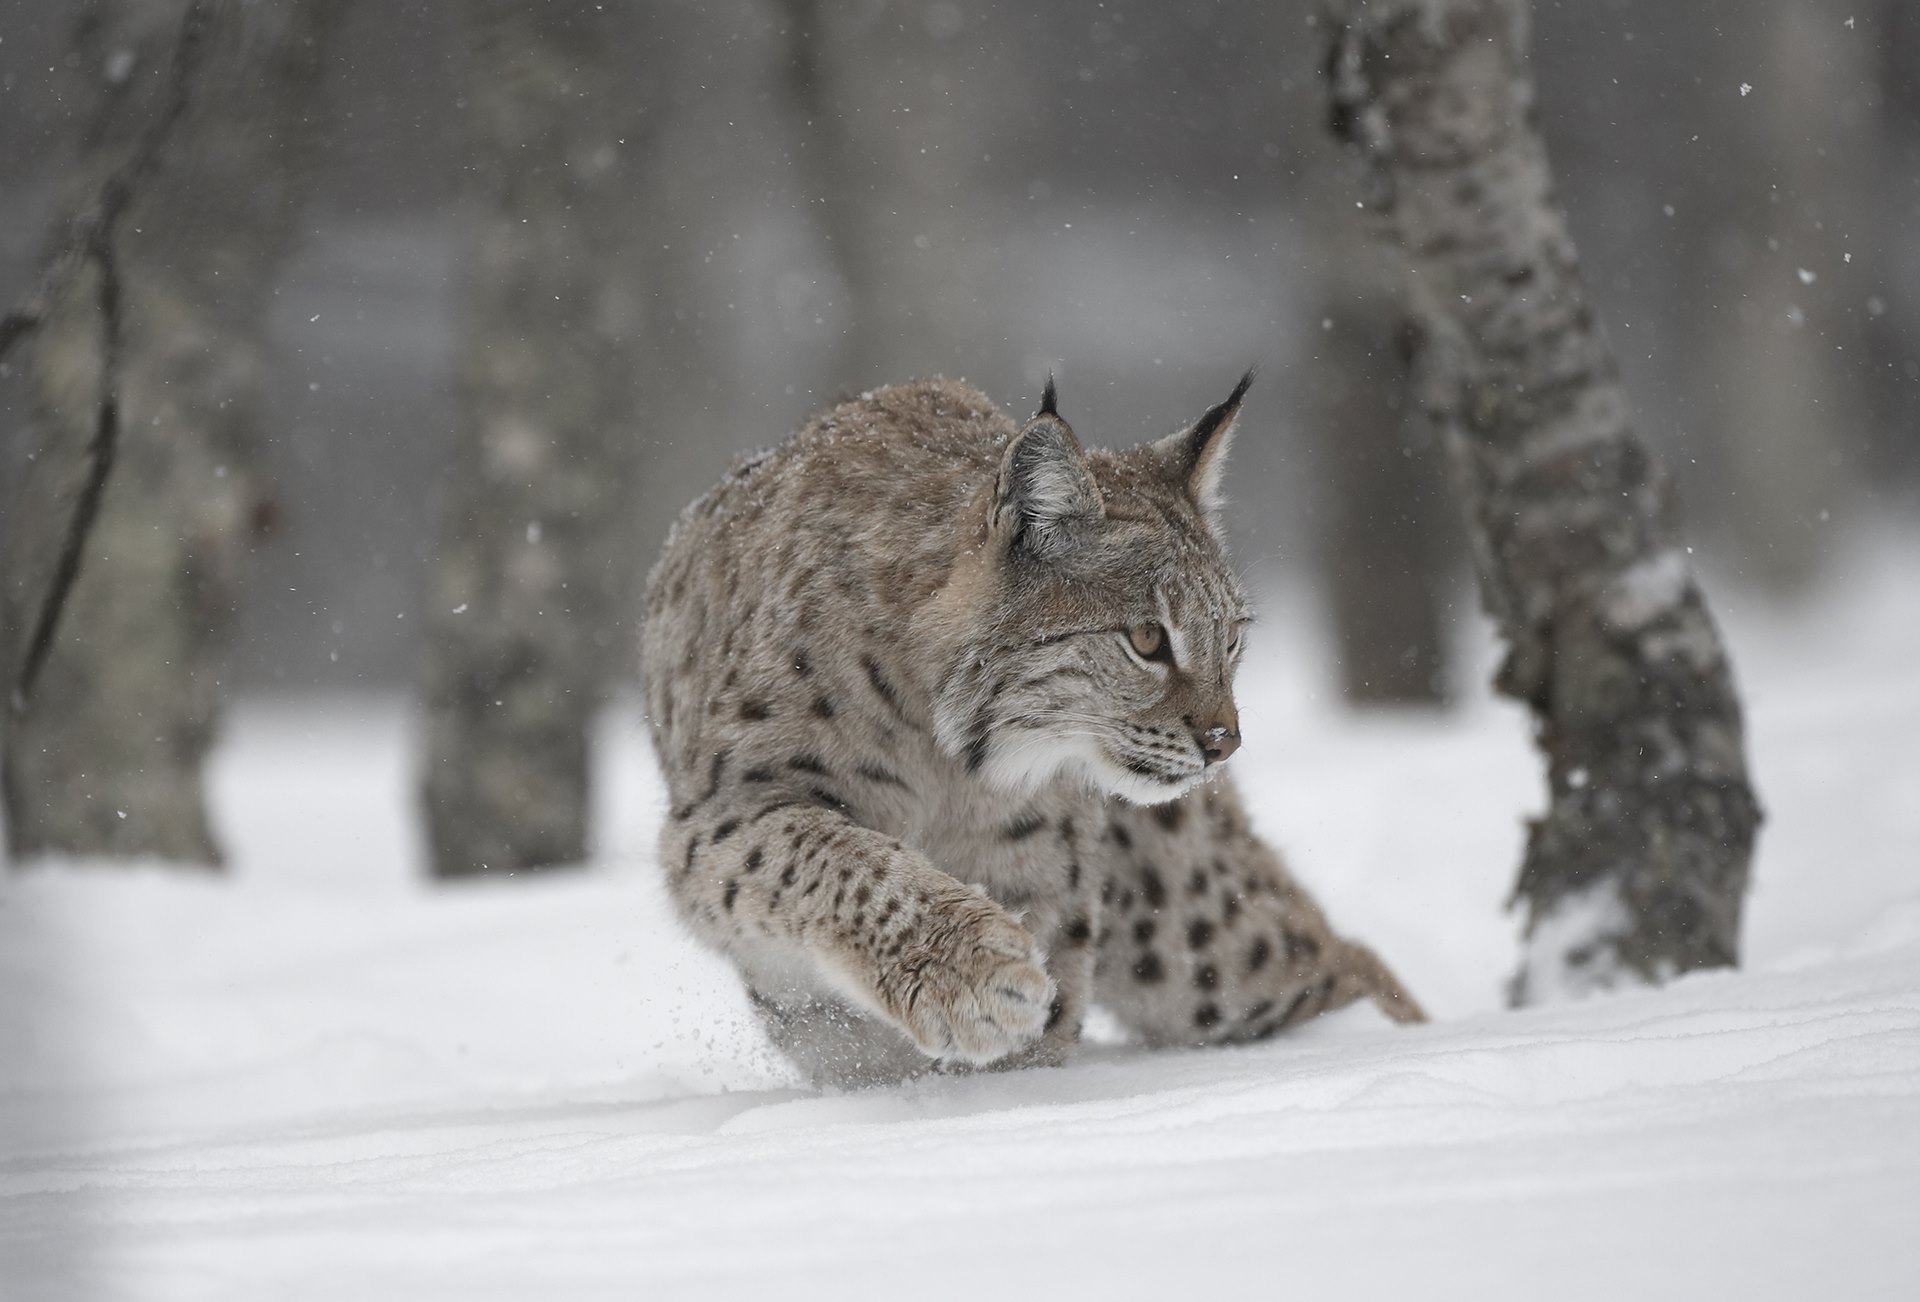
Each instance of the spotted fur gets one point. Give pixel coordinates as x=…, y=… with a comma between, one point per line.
x=936, y=782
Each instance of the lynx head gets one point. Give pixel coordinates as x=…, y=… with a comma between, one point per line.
x=1109, y=624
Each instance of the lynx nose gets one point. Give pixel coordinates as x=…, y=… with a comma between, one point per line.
x=1221, y=739
x=1218, y=743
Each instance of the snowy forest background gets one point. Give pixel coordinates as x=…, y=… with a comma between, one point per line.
x=1141, y=197
x=318, y=1074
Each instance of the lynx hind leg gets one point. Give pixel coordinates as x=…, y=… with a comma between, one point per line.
x=1207, y=938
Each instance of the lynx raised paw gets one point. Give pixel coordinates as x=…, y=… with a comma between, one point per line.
x=973, y=986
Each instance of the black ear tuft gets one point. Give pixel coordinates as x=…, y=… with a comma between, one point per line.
x=1208, y=425
x=1197, y=455
x=1049, y=400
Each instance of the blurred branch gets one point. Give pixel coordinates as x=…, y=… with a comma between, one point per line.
x=89, y=242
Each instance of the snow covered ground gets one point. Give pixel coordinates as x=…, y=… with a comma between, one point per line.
x=319, y=1079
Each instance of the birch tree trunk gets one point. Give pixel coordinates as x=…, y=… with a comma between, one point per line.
x=884, y=165
x=1638, y=869
x=535, y=558
x=106, y=757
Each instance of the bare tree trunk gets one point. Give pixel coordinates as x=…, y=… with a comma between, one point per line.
x=536, y=558
x=840, y=193
x=887, y=177
x=106, y=758
x=1638, y=869
x=1385, y=546
x=1385, y=561
x=1778, y=324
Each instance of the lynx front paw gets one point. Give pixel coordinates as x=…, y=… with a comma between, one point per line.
x=974, y=986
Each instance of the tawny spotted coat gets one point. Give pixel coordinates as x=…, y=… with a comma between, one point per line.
x=941, y=702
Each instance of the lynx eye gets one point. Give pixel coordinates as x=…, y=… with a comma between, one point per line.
x=1149, y=642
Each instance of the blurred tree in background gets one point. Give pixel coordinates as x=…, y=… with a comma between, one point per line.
x=537, y=553
x=107, y=756
x=487, y=322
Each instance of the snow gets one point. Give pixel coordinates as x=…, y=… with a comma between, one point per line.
x=1562, y=959
x=320, y=1079
x=1643, y=592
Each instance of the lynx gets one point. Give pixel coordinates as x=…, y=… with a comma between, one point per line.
x=942, y=703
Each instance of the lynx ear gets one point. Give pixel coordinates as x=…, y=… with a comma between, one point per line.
x=1197, y=455
x=1045, y=492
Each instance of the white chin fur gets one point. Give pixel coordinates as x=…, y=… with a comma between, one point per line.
x=1137, y=789
x=1020, y=763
